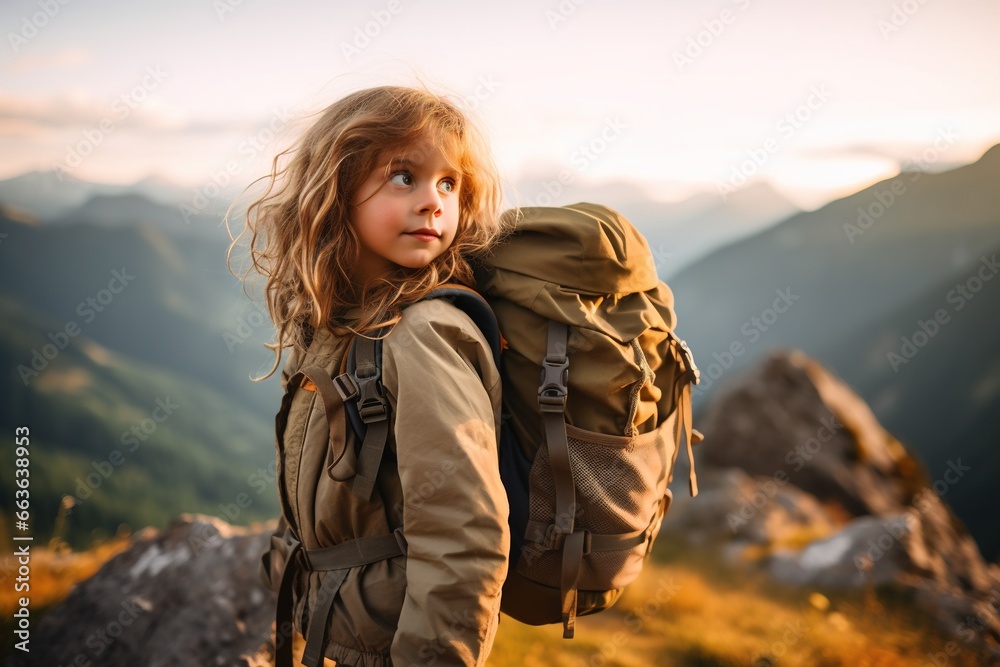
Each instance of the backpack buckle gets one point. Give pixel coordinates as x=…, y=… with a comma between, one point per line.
x=372, y=406
x=345, y=386
x=552, y=387
x=373, y=410
x=691, y=369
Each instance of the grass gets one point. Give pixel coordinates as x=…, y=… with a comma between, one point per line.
x=690, y=609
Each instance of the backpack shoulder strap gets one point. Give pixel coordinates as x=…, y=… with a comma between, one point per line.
x=370, y=407
x=369, y=411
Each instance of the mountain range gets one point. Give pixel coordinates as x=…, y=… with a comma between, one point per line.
x=848, y=283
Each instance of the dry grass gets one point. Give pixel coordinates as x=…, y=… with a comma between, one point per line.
x=691, y=610
x=53, y=573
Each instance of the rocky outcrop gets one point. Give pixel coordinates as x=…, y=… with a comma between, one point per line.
x=798, y=467
x=186, y=596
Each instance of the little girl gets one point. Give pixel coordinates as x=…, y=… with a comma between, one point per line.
x=388, y=195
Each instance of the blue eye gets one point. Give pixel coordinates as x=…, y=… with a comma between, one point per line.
x=447, y=185
x=401, y=178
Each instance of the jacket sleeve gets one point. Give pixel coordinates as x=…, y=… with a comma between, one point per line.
x=446, y=388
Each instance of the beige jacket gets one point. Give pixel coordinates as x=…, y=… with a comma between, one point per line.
x=440, y=603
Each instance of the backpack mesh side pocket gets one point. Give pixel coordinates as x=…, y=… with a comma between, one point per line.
x=620, y=484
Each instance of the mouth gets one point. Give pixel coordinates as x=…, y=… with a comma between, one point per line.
x=425, y=234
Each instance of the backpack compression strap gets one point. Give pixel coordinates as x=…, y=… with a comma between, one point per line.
x=337, y=562
x=552, y=404
x=685, y=422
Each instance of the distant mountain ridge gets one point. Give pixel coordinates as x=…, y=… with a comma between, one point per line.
x=813, y=282
x=677, y=232
x=51, y=195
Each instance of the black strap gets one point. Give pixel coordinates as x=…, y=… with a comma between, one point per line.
x=373, y=407
x=283, y=613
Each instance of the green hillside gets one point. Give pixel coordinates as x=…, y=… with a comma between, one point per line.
x=178, y=306
x=134, y=443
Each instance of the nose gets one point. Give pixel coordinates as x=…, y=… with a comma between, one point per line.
x=429, y=202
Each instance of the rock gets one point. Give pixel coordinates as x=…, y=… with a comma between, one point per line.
x=186, y=596
x=789, y=416
x=732, y=505
x=790, y=419
x=866, y=551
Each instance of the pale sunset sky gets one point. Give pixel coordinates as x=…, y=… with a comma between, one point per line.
x=819, y=99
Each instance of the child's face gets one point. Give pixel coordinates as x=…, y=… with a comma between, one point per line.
x=411, y=217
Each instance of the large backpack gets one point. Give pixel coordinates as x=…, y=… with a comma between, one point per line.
x=596, y=401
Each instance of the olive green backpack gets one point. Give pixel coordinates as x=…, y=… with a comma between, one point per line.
x=596, y=396
x=596, y=402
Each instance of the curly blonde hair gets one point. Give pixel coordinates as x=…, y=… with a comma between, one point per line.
x=302, y=241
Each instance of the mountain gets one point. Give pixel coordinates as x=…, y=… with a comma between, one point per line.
x=98, y=324
x=168, y=300
x=132, y=208
x=820, y=276
x=130, y=441
x=846, y=291
x=678, y=232
x=936, y=381
x=49, y=194
x=53, y=195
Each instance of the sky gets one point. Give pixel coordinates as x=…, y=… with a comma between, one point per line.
x=817, y=99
